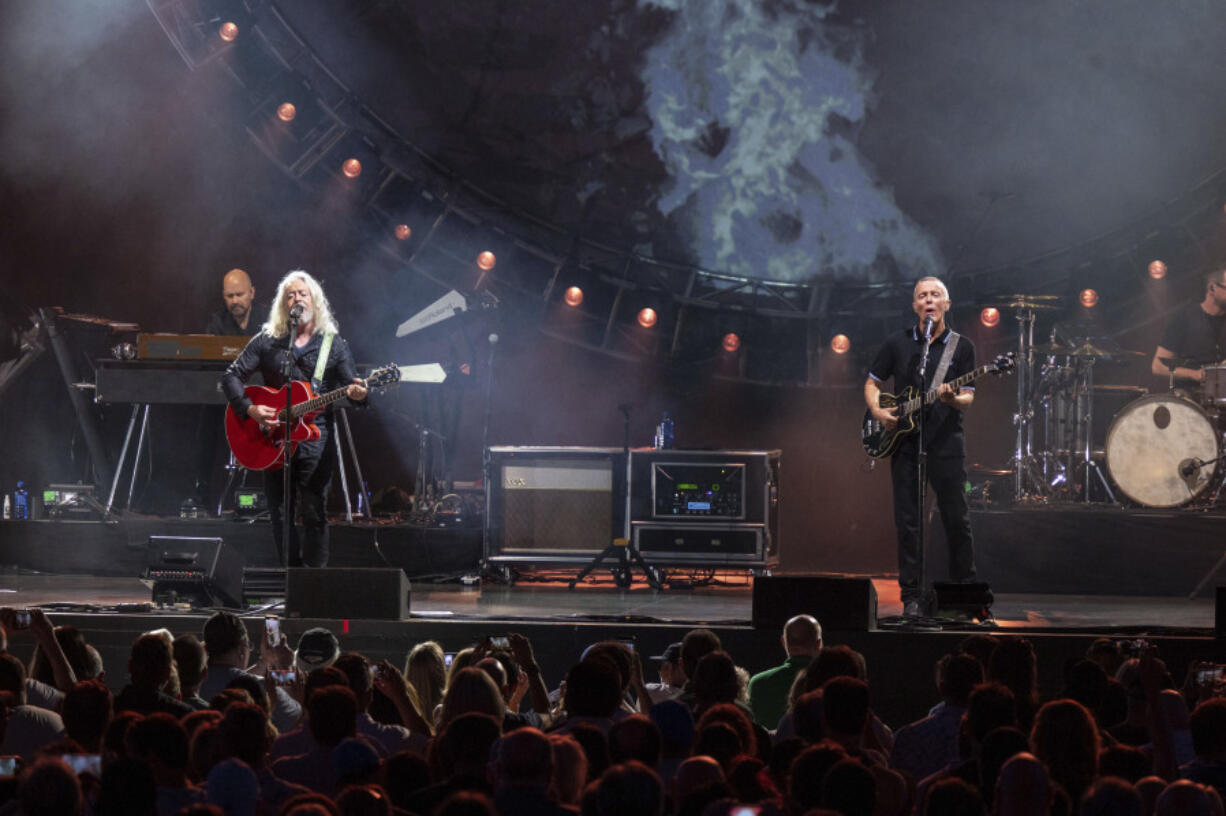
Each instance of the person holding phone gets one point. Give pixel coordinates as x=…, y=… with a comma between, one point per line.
x=512, y=655
x=229, y=651
x=27, y=728
x=16, y=622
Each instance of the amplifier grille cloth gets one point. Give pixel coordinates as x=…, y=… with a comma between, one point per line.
x=544, y=520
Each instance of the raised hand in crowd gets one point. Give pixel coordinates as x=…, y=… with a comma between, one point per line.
x=391, y=682
x=40, y=627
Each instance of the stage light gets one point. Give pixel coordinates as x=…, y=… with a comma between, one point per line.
x=989, y=316
x=286, y=111
x=573, y=296
x=1088, y=298
x=403, y=232
x=1157, y=270
x=732, y=342
x=228, y=31
x=647, y=317
x=486, y=260
x=352, y=168
x=840, y=344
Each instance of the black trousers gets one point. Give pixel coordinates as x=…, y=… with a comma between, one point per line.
x=311, y=475
x=947, y=476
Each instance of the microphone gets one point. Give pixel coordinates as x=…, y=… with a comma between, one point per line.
x=493, y=338
x=1189, y=466
x=295, y=311
x=929, y=322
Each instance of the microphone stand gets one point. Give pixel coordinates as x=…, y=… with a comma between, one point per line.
x=921, y=459
x=287, y=488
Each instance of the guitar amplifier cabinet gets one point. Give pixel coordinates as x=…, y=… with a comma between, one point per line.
x=551, y=505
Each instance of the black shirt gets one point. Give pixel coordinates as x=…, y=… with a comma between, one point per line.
x=899, y=358
x=1192, y=333
x=222, y=322
x=265, y=353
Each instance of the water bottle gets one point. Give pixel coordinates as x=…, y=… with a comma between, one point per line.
x=8, y=507
x=21, y=502
x=364, y=500
x=665, y=438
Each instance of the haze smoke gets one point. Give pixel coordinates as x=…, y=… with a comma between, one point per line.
x=753, y=109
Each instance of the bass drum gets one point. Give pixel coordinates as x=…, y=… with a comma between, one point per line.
x=1154, y=449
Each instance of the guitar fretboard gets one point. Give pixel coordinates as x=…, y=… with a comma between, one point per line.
x=930, y=396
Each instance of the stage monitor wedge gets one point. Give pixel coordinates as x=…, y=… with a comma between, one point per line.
x=341, y=593
x=840, y=603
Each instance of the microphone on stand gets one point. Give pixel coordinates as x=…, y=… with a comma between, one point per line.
x=929, y=322
x=1189, y=467
x=295, y=311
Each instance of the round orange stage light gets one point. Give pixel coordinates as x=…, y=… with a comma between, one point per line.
x=1088, y=298
x=1157, y=270
x=989, y=316
x=648, y=317
x=286, y=111
x=352, y=168
x=228, y=31
x=573, y=296
x=840, y=344
x=403, y=231
x=732, y=342
x=486, y=260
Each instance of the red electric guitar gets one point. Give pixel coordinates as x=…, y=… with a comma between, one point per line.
x=257, y=449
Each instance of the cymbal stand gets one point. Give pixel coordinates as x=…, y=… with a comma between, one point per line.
x=1086, y=416
x=1025, y=411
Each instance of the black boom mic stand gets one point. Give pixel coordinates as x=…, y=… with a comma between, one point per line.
x=287, y=487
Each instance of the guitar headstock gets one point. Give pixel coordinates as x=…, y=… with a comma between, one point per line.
x=1004, y=362
x=381, y=377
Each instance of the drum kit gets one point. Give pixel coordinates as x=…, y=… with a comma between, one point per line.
x=1160, y=450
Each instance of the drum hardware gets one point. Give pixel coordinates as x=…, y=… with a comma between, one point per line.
x=1056, y=408
x=1088, y=462
x=1028, y=302
x=1025, y=307
x=1196, y=465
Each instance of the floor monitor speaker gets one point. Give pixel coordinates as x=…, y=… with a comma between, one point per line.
x=839, y=603
x=347, y=592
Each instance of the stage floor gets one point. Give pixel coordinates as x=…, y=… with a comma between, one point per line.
x=729, y=605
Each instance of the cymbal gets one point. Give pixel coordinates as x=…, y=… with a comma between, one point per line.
x=1178, y=362
x=1037, y=302
x=985, y=470
x=1088, y=349
x=1052, y=348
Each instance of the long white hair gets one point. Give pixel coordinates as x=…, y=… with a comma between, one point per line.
x=278, y=315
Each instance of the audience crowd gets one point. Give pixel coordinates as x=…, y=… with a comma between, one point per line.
x=214, y=724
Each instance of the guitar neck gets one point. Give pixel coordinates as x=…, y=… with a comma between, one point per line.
x=930, y=396
x=316, y=403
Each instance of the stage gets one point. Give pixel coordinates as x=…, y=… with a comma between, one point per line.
x=84, y=571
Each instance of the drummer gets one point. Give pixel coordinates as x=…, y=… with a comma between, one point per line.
x=1194, y=335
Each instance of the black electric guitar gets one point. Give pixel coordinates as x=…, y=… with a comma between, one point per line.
x=879, y=442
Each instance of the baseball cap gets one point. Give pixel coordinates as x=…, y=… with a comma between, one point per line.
x=317, y=648
x=672, y=654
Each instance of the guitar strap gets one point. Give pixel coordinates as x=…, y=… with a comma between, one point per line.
x=947, y=357
x=321, y=362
